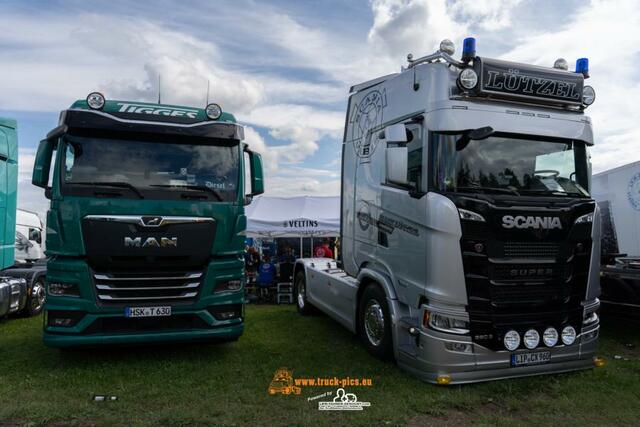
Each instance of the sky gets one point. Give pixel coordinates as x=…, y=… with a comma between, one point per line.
x=284, y=68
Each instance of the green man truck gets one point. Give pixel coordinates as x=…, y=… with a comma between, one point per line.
x=144, y=230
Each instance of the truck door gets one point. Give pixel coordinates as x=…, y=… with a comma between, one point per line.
x=402, y=217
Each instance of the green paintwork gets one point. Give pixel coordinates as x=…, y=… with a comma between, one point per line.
x=65, y=249
x=8, y=190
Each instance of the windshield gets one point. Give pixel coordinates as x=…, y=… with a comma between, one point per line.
x=501, y=164
x=151, y=169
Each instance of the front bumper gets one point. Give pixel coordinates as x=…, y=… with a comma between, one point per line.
x=90, y=330
x=431, y=359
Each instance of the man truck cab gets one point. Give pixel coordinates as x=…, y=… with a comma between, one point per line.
x=470, y=244
x=144, y=227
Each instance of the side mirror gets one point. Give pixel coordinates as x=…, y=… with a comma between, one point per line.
x=395, y=133
x=257, y=179
x=42, y=164
x=397, y=165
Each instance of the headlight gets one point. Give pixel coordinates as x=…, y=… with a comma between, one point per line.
x=95, y=100
x=568, y=335
x=588, y=95
x=470, y=216
x=511, y=340
x=531, y=339
x=63, y=289
x=228, y=286
x=468, y=78
x=550, y=337
x=446, y=324
x=584, y=219
x=213, y=111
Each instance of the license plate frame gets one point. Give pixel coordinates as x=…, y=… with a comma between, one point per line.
x=531, y=358
x=155, y=311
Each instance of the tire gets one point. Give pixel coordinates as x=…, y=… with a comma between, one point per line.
x=374, y=322
x=35, y=302
x=300, y=295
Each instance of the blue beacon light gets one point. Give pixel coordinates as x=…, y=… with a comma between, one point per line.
x=468, y=49
x=582, y=66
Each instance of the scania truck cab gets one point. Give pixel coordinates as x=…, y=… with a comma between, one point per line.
x=470, y=243
x=144, y=227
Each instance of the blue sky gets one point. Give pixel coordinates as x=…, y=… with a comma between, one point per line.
x=284, y=67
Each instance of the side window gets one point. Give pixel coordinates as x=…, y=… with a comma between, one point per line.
x=414, y=160
x=69, y=159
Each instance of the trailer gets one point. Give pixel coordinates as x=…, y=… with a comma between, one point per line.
x=617, y=192
x=470, y=245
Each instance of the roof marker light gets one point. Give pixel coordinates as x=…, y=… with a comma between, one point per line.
x=468, y=49
x=95, y=100
x=582, y=66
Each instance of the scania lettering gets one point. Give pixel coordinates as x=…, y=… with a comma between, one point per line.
x=144, y=229
x=508, y=221
x=470, y=244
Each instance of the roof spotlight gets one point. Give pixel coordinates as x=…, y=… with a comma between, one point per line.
x=213, y=111
x=561, y=64
x=95, y=100
x=447, y=47
x=588, y=95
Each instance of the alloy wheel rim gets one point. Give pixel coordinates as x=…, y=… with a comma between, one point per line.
x=38, y=301
x=374, y=322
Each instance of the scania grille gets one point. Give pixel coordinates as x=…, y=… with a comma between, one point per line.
x=147, y=287
x=531, y=249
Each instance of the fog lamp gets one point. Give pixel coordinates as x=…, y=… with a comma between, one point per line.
x=468, y=78
x=63, y=289
x=229, y=286
x=599, y=362
x=511, y=340
x=568, y=335
x=95, y=100
x=550, y=337
x=531, y=339
x=458, y=347
x=213, y=111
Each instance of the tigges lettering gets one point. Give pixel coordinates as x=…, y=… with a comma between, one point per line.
x=150, y=242
x=524, y=222
x=146, y=109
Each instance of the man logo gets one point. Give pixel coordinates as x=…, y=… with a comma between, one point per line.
x=525, y=222
x=150, y=242
x=151, y=221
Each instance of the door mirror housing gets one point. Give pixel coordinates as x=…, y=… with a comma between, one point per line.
x=396, y=133
x=397, y=162
x=257, y=178
x=42, y=164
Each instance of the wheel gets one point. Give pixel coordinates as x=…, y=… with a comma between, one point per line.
x=35, y=303
x=300, y=292
x=374, y=322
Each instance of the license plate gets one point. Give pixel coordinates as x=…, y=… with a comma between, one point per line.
x=523, y=359
x=147, y=311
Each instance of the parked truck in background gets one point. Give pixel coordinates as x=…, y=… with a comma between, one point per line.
x=144, y=226
x=470, y=243
x=617, y=192
x=13, y=291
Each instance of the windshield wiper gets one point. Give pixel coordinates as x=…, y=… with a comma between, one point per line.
x=556, y=193
x=489, y=189
x=193, y=187
x=110, y=184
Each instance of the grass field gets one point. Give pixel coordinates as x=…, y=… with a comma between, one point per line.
x=227, y=384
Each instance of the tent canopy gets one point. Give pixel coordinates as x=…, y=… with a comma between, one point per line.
x=303, y=216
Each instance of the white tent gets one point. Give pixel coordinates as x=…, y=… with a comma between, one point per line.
x=303, y=216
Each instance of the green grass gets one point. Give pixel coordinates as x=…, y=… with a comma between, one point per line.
x=227, y=384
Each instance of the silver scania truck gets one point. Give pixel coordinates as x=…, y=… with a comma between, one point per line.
x=470, y=245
